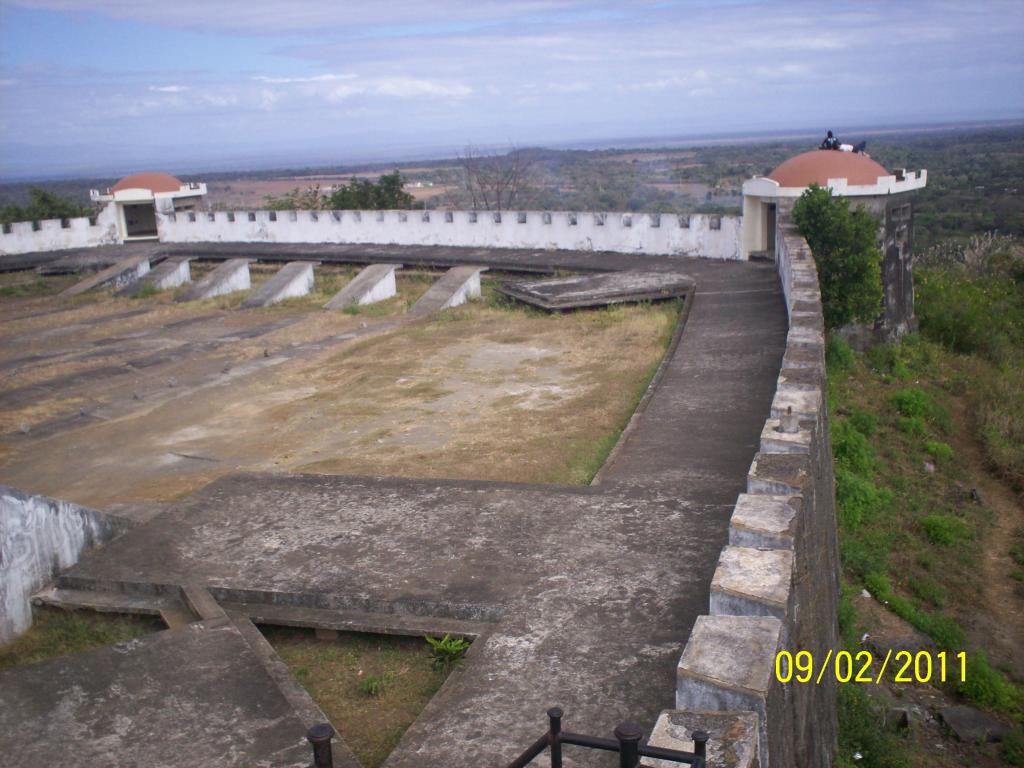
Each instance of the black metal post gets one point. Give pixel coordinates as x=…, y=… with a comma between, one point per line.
x=629, y=735
x=700, y=744
x=320, y=737
x=555, y=734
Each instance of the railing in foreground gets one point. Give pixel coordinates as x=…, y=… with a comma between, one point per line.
x=626, y=743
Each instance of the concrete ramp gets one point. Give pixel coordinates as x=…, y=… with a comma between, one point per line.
x=598, y=290
x=375, y=283
x=231, y=276
x=457, y=286
x=293, y=279
x=170, y=273
x=119, y=275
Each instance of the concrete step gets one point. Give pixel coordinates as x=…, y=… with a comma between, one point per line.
x=456, y=286
x=352, y=621
x=374, y=283
x=107, y=602
x=231, y=276
x=119, y=275
x=293, y=279
x=170, y=273
x=175, y=616
x=732, y=737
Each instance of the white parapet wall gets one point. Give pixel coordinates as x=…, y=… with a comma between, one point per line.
x=38, y=537
x=706, y=235
x=59, y=234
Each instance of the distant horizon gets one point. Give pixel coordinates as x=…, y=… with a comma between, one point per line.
x=98, y=87
x=242, y=165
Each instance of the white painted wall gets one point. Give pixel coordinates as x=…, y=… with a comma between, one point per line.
x=38, y=537
x=52, y=236
x=620, y=232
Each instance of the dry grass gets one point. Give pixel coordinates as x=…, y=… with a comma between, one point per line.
x=342, y=674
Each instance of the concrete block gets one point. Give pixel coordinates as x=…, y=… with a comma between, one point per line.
x=457, y=286
x=752, y=582
x=732, y=741
x=728, y=665
x=374, y=283
x=779, y=473
x=804, y=403
x=764, y=521
x=293, y=279
x=170, y=273
x=775, y=440
x=122, y=273
x=231, y=276
x=601, y=289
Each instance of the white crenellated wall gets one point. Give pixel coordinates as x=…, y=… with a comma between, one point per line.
x=58, y=234
x=706, y=235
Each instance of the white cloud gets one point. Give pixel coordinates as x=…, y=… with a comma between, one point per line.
x=328, y=78
x=169, y=88
x=400, y=87
x=577, y=86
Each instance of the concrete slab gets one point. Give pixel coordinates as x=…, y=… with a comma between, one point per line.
x=292, y=280
x=195, y=695
x=231, y=276
x=598, y=290
x=169, y=273
x=732, y=741
x=119, y=275
x=374, y=283
x=457, y=286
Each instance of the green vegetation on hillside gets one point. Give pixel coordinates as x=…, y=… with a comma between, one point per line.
x=43, y=205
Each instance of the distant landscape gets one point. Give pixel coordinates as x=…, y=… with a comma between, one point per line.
x=975, y=183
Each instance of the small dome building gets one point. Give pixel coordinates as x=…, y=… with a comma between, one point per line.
x=887, y=194
x=139, y=196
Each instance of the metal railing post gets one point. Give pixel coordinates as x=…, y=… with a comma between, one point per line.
x=700, y=744
x=554, y=734
x=629, y=735
x=320, y=737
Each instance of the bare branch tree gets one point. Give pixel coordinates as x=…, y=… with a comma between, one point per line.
x=495, y=182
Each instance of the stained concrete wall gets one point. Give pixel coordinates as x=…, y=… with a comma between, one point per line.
x=58, y=234
x=704, y=235
x=40, y=536
x=777, y=582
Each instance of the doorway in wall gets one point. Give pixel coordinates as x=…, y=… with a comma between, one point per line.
x=769, y=222
x=140, y=220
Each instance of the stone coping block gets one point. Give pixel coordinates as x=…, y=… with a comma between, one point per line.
x=732, y=741
x=374, y=283
x=170, y=273
x=752, y=582
x=808, y=379
x=773, y=440
x=228, y=277
x=457, y=286
x=122, y=273
x=293, y=279
x=779, y=473
x=804, y=357
x=804, y=403
x=764, y=521
x=728, y=666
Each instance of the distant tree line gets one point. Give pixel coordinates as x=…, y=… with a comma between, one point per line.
x=43, y=205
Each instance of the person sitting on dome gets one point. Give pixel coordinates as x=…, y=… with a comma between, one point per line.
x=830, y=142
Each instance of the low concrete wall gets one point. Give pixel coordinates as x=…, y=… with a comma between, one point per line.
x=777, y=582
x=40, y=536
x=58, y=234
x=704, y=235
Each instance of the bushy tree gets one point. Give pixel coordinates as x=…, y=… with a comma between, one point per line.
x=388, y=193
x=845, y=248
x=43, y=205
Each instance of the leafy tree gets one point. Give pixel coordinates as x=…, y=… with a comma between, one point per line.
x=387, y=193
x=43, y=205
x=845, y=247
x=310, y=199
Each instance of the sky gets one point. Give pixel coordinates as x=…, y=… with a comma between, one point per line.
x=112, y=86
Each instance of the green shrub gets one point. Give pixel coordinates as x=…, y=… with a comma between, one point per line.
x=912, y=425
x=939, y=451
x=859, y=499
x=839, y=358
x=986, y=687
x=1013, y=748
x=375, y=684
x=864, y=422
x=447, y=651
x=944, y=631
x=850, y=448
x=946, y=530
x=912, y=401
x=860, y=732
x=928, y=591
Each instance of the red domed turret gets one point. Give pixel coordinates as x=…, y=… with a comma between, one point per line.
x=820, y=165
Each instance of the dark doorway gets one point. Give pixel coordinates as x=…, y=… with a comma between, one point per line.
x=769, y=220
x=140, y=220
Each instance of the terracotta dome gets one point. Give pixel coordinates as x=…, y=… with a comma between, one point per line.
x=820, y=165
x=151, y=180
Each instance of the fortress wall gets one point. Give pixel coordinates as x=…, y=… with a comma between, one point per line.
x=40, y=536
x=58, y=234
x=777, y=582
x=705, y=235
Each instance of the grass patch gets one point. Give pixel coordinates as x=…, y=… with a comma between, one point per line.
x=55, y=633
x=29, y=285
x=372, y=687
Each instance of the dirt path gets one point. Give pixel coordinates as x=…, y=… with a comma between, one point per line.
x=998, y=624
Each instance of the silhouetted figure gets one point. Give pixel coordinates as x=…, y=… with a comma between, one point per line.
x=859, y=148
x=830, y=142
